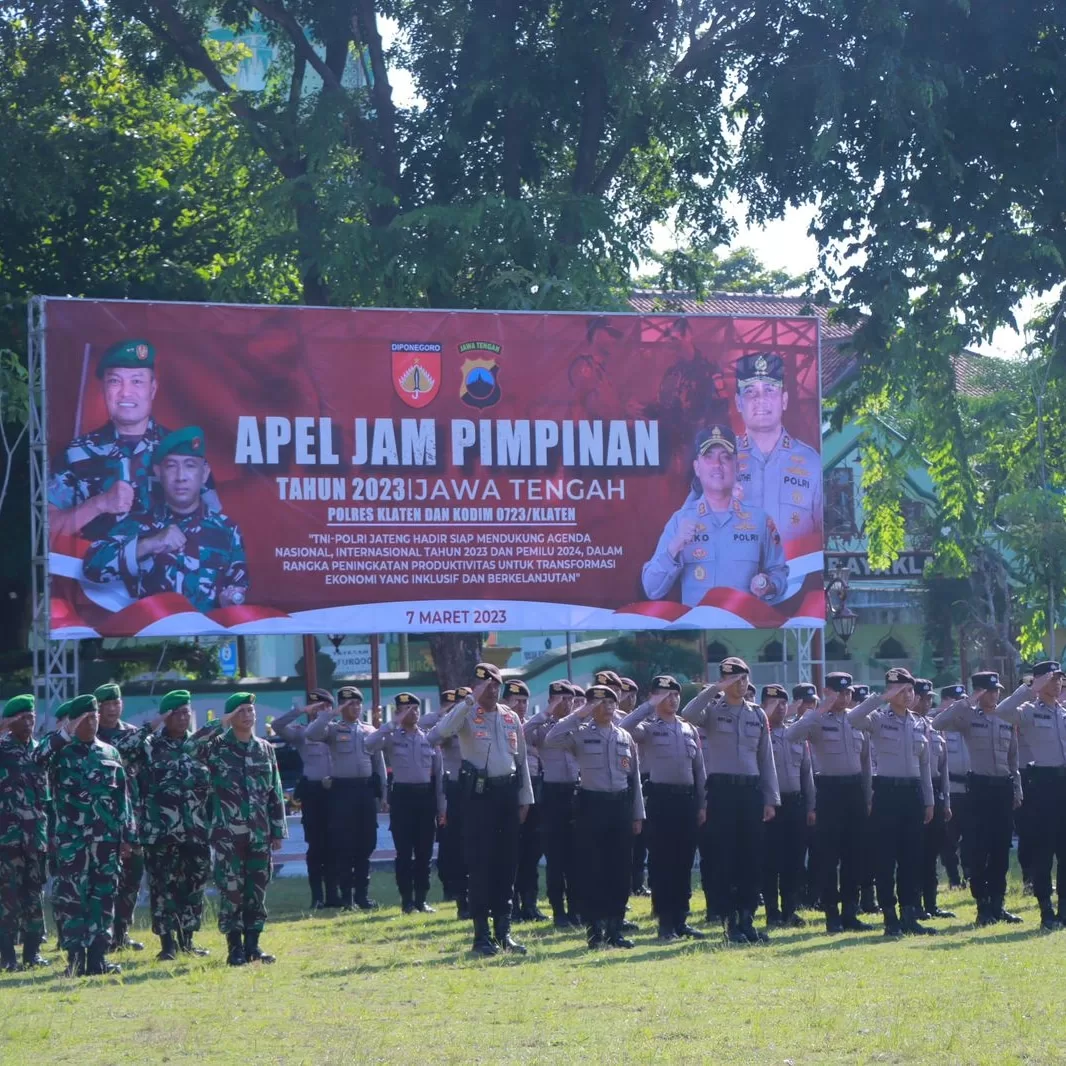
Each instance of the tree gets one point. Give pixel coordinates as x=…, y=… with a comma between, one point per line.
x=699, y=270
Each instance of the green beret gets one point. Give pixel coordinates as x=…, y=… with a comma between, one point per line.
x=84, y=704
x=178, y=697
x=238, y=699
x=127, y=354
x=63, y=710
x=108, y=692
x=19, y=705
x=187, y=441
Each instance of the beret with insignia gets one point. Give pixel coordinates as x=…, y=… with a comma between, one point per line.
x=516, y=688
x=987, y=680
x=448, y=696
x=760, y=367
x=178, y=697
x=898, y=675
x=349, y=692
x=665, y=683
x=578, y=690
x=860, y=692
x=19, y=705
x=1049, y=666
x=806, y=691
x=608, y=677
x=838, y=681
x=127, y=355
x=462, y=692
x=187, y=441
x=487, y=672
x=922, y=686
x=733, y=667
x=320, y=695
x=953, y=692
x=407, y=699
x=560, y=688
x=238, y=699
x=774, y=692
x=716, y=436
x=628, y=684
x=84, y=704
x=601, y=692
x=108, y=692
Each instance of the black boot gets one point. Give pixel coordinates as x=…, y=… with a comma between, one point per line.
x=833, y=924
x=893, y=929
x=667, y=932
x=333, y=898
x=851, y=923
x=31, y=953
x=791, y=920
x=365, y=903
x=252, y=953
x=1001, y=915
x=532, y=913
x=733, y=933
x=407, y=905
x=235, y=957
x=168, y=948
x=774, y=919
x=121, y=939
x=502, y=929
x=909, y=922
x=1048, y=919
x=9, y=961
x=75, y=962
x=185, y=943
x=613, y=934
x=96, y=964
x=316, y=895
x=423, y=907
x=685, y=931
x=483, y=942
x=462, y=908
x=595, y=935
x=751, y=934
x=560, y=919
x=984, y=914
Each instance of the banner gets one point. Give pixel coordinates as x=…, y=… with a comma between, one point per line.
x=240, y=469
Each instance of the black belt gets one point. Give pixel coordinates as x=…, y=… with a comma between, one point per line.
x=1045, y=771
x=987, y=779
x=561, y=786
x=470, y=768
x=895, y=782
x=614, y=796
x=958, y=779
x=839, y=779
x=412, y=786
x=674, y=790
x=748, y=780
x=351, y=781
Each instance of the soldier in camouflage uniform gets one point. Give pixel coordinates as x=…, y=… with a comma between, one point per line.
x=94, y=829
x=247, y=822
x=23, y=836
x=179, y=546
x=125, y=739
x=107, y=473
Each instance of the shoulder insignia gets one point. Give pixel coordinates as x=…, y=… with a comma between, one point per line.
x=701, y=510
x=786, y=441
x=742, y=441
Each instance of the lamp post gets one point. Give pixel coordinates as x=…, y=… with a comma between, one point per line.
x=842, y=616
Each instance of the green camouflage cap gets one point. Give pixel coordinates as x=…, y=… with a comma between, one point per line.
x=128, y=355
x=63, y=710
x=19, y=705
x=187, y=441
x=108, y=692
x=84, y=704
x=238, y=699
x=178, y=697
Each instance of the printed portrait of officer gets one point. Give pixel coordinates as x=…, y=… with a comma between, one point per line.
x=717, y=540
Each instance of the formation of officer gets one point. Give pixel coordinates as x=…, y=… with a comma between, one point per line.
x=530, y=849
x=936, y=829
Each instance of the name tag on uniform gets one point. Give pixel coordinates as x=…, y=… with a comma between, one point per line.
x=592, y=740
x=830, y=729
x=979, y=725
x=1043, y=721
x=725, y=725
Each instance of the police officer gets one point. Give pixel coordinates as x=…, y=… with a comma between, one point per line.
x=416, y=798
x=775, y=471
x=353, y=796
x=451, y=865
x=610, y=811
x=786, y=831
x=994, y=787
x=933, y=835
x=496, y=796
x=1041, y=724
x=715, y=540
x=842, y=784
x=639, y=886
x=676, y=802
x=902, y=800
x=958, y=831
x=804, y=697
x=527, y=878
x=557, y=807
x=742, y=794
x=313, y=793
x=868, y=873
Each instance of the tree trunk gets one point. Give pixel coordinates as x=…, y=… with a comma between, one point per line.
x=455, y=655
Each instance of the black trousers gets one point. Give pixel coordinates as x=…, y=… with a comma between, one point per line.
x=412, y=818
x=314, y=817
x=640, y=849
x=353, y=833
x=1045, y=823
x=812, y=872
x=957, y=852
x=451, y=864
x=703, y=843
x=530, y=849
x=992, y=810
x=604, y=835
x=841, y=824
x=734, y=813
x=490, y=843
x=557, y=813
x=785, y=839
x=932, y=846
x=670, y=829
x=897, y=823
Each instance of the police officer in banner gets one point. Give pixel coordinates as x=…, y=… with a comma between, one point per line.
x=775, y=471
x=716, y=540
x=676, y=802
x=496, y=795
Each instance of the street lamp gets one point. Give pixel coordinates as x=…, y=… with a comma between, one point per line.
x=844, y=621
x=841, y=615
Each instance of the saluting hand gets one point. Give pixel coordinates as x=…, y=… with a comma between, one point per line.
x=686, y=533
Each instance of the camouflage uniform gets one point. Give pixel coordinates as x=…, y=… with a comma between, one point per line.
x=246, y=811
x=212, y=559
x=24, y=801
x=94, y=818
x=93, y=462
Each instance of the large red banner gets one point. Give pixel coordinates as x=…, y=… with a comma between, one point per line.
x=289, y=469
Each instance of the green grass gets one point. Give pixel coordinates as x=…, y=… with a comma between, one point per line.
x=392, y=988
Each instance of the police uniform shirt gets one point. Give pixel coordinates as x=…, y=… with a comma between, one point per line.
x=938, y=760
x=738, y=742
x=990, y=740
x=670, y=750
x=729, y=548
x=958, y=756
x=414, y=760
x=450, y=754
x=1041, y=728
x=795, y=772
x=347, y=742
x=607, y=758
x=491, y=741
x=841, y=750
x=557, y=764
x=901, y=745
x=786, y=484
x=314, y=754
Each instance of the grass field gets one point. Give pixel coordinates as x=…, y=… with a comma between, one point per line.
x=392, y=988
